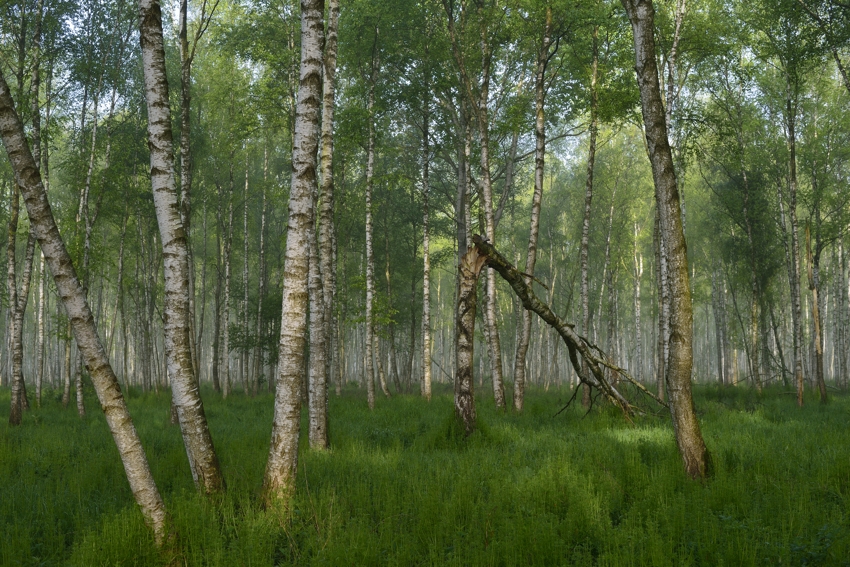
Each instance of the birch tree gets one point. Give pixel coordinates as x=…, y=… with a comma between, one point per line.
x=695, y=456
x=73, y=297
x=203, y=461
x=279, y=480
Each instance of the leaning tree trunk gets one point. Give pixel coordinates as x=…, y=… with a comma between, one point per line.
x=539, y=161
x=279, y=481
x=70, y=290
x=576, y=345
x=203, y=461
x=688, y=436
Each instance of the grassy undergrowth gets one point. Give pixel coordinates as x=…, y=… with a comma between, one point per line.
x=400, y=488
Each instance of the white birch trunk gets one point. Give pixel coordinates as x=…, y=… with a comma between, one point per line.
x=588, y=200
x=370, y=260
x=425, y=387
x=203, y=461
x=80, y=317
x=537, y=197
x=326, y=206
x=279, y=482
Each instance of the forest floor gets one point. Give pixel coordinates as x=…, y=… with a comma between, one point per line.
x=399, y=489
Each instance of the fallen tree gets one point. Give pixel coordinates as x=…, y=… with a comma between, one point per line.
x=578, y=346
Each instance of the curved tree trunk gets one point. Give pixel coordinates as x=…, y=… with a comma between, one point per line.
x=688, y=436
x=203, y=461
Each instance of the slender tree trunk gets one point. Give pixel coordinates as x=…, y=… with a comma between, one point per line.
x=224, y=362
x=203, y=461
x=688, y=436
x=588, y=199
x=20, y=310
x=66, y=391
x=326, y=204
x=663, y=284
x=425, y=386
x=486, y=187
x=718, y=305
x=279, y=482
x=317, y=369
x=370, y=260
x=35, y=90
x=261, y=280
x=637, y=371
x=70, y=290
x=243, y=356
x=813, y=261
x=794, y=266
x=539, y=163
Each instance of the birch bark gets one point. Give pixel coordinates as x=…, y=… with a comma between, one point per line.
x=370, y=260
x=203, y=461
x=425, y=387
x=486, y=187
x=261, y=280
x=279, y=482
x=326, y=206
x=688, y=436
x=70, y=290
x=543, y=58
x=588, y=200
x=224, y=354
x=794, y=267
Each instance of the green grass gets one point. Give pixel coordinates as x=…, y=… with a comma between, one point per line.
x=400, y=488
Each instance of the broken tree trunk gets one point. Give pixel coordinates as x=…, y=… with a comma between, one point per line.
x=577, y=345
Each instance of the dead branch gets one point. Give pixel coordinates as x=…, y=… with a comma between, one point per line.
x=576, y=344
